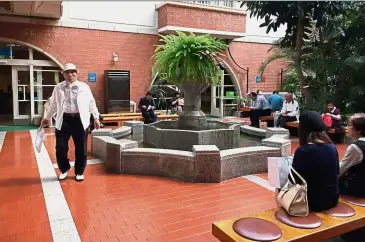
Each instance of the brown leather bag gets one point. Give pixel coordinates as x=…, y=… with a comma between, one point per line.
x=293, y=196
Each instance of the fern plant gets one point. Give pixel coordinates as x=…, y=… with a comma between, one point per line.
x=189, y=58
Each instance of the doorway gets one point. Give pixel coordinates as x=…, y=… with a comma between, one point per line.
x=27, y=79
x=6, y=96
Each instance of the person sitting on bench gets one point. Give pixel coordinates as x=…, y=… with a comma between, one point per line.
x=290, y=110
x=177, y=104
x=147, y=105
x=261, y=108
x=316, y=160
x=332, y=117
x=352, y=167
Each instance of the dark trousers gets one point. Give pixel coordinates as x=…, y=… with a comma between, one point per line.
x=283, y=119
x=149, y=117
x=256, y=114
x=71, y=126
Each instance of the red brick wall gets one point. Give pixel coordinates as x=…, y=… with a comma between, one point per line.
x=251, y=55
x=91, y=51
x=190, y=16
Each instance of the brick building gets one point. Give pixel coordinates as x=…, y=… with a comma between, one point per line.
x=37, y=38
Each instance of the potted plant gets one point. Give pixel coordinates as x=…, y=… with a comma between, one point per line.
x=192, y=63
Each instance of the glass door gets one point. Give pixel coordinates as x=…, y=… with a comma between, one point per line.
x=21, y=92
x=44, y=81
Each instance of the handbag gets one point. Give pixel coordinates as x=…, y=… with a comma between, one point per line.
x=327, y=121
x=293, y=196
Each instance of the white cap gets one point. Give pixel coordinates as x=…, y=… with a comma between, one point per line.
x=69, y=66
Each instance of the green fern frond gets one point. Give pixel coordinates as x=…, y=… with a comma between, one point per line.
x=189, y=58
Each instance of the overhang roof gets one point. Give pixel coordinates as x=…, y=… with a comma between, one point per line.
x=46, y=9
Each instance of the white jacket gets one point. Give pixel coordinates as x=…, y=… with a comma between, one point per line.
x=292, y=109
x=85, y=103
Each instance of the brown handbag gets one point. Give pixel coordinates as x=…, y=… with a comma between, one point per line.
x=293, y=196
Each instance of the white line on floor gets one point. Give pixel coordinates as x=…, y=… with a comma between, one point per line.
x=259, y=181
x=62, y=224
x=2, y=139
x=89, y=162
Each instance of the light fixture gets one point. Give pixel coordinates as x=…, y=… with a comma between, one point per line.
x=115, y=57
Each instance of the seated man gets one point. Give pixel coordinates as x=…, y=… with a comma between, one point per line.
x=275, y=101
x=261, y=108
x=290, y=110
x=147, y=105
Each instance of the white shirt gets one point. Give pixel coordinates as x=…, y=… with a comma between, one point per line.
x=353, y=156
x=85, y=103
x=71, y=91
x=291, y=108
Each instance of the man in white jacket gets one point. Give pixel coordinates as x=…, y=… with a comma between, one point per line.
x=290, y=110
x=72, y=102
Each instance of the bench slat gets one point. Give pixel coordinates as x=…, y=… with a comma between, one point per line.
x=266, y=118
x=292, y=124
x=331, y=227
x=123, y=114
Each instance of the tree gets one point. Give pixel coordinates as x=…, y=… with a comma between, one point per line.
x=192, y=63
x=298, y=18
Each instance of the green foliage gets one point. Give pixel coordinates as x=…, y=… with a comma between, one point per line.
x=159, y=91
x=277, y=13
x=332, y=54
x=189, y=58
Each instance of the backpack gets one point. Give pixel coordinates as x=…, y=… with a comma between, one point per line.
x=327, y=120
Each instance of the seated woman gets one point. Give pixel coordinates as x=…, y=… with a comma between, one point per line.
x=352, y=167
x=316, y=160
x=335, y=117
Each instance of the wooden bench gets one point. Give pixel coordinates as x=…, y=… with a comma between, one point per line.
x=331, y=226
x=266, y=118
x=121, y=120
x=292, y=124
x=108, y=115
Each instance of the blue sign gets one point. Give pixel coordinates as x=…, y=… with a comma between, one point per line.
x=91, y=77
x=5, y=53
x=258, y=79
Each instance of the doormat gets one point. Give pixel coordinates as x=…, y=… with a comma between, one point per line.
x=17, y=127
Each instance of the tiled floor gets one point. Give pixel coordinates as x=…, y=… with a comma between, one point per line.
x=23, y=214
x=119, y=208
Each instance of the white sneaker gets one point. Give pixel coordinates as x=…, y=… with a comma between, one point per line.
x=63, y=175
x=80, y=177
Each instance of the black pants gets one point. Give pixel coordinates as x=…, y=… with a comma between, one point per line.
x=256, y=114
x=71, y=126
x=283, y=119
x=149, y=117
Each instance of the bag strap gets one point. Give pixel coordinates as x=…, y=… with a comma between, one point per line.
x=296, y=173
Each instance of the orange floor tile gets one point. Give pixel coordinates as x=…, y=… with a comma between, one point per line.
x=119, y=208
x=23, y=214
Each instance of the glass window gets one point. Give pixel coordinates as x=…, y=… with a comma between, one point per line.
x=24, y=108
x=39, y=56
x=5, y=51
x=20, y=52
x=44, y=80
x=39, y=107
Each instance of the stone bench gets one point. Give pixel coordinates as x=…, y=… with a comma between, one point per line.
x=348, y=216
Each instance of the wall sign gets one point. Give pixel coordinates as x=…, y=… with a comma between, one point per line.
x=91, y=77
x=5, y=53
x=260, y=79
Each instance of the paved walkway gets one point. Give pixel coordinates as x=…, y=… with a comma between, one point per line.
x=108, y=207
